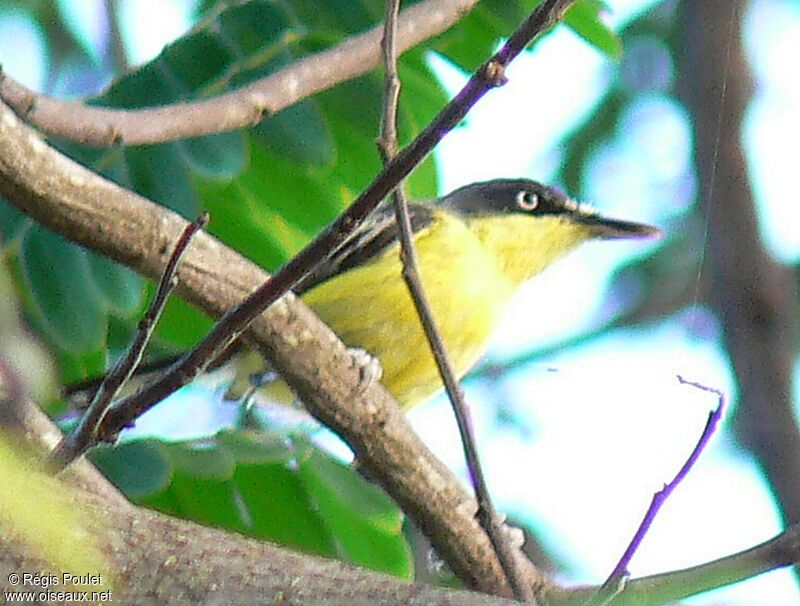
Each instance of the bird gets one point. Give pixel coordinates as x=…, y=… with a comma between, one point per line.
x=475, y=247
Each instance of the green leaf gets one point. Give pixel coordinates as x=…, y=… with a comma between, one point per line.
x=470, y=42
x=202, y=487
x=252, y=26
x=338, y=16
x=157, y=171
x=145, y=87
x=121, y=288
x=366, y=523
x=256, y=447
x=139, y=469
x=279, y=508
x=339, y=482
x=299, y=132
x=265, y=216
x=12, y=223
x=203, y=460
x=272, y=187
x=195, y=62
x=268, y=485
x=76, y=367
x=56, y=274
x=181, y=325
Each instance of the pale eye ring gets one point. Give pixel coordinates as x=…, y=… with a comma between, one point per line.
x=527, y=200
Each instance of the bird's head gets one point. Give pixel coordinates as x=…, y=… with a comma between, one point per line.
x=528, y=225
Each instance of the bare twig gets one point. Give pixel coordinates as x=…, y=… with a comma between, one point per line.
x=387, y=143
x=781, y=551
x=620, y=572
x=85, y=435
x=670, y=587
x=245, y=106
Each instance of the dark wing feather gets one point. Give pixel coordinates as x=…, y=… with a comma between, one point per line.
x=367, y=242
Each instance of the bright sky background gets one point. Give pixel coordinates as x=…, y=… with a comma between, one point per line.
x=603, y=426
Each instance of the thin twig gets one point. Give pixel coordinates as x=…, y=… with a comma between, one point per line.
x=615, y=579
x=245, y=106
x=673, y=586
x=780, y=551
x=387, y=143
x=75, y=444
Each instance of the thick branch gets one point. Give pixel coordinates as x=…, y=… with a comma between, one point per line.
x=235, y=109
x=205, y=562
x=163, y=560
x=151, y=558
x=236, y=319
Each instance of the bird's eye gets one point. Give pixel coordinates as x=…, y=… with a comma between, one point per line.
x=527, y=200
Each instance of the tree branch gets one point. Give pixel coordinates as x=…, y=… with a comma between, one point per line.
x=242, y=107
x=616, y=583
x=138, y=542
x=151, y=558
x=86, y=432
x=670, y=587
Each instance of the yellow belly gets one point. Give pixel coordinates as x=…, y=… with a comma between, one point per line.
x=369, y=307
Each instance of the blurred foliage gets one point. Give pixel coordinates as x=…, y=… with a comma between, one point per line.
x=635, y=77
x=269, y=189
x=21, y=353
x=39, y=514
x=266, y=485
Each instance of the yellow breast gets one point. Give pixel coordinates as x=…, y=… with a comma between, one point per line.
x=369, y=307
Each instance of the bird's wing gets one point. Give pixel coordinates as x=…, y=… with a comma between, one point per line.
x=370, y=240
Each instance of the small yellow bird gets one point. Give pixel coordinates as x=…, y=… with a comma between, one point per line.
x=475, y=247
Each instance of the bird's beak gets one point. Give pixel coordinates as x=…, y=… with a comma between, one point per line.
x=614, y=229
